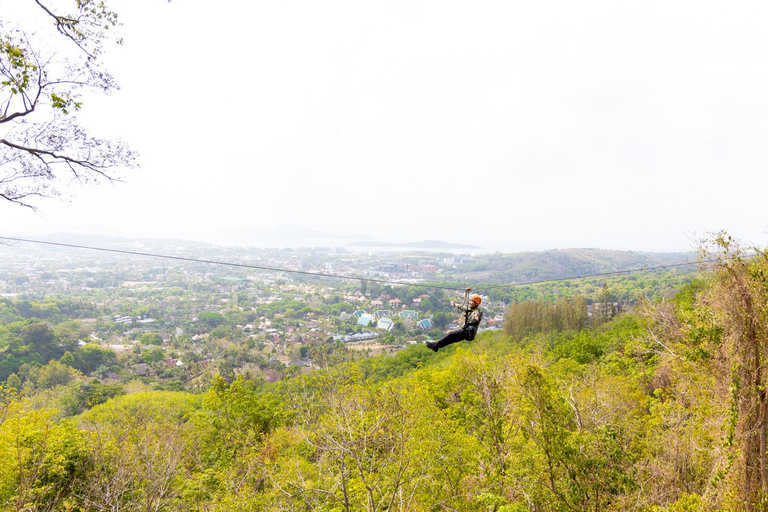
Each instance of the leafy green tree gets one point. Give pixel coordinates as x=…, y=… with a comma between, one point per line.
x=89, y=357
x=441, y=320
x=68, y=359
x=40, y=338
x=151, y=338
x=54, y=374
x=71, y=331
x=13, y=382
x=41, y=459
x=488, y=409
x=153, y=355
x=566, y=456
x=539, y=316
x=582, y=348
x=93, y=393
x=139, y=445
x=372, y=445
x=211, y=320
x=28, y=342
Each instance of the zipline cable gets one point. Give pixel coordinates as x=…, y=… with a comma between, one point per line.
x=334, y=276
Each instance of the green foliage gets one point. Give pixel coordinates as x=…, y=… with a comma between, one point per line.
x=211, y=320
x=381, y=368
x=153, y=355
x=54, y=374
x=532, y=317
x=144, y=408
x=241, y=408
x=654, y=409
x=627, y=289
x=41, y=458
x=50, y=309
x=582, y=348
x=29, y=342
x=90, y=357
x=139, y=445
x=364, y=446
x=151, y=338
x=93, y=393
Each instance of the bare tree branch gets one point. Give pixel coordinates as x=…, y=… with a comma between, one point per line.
x=43, y=149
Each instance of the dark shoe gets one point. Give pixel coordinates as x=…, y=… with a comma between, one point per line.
x=431, y=345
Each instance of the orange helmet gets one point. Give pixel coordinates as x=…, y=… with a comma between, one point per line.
x=476, y=298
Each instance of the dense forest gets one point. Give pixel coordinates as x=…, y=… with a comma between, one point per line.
x=661, y=407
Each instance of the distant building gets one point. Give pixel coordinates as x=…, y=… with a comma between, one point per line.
x=408, y=313
x=425, y=324
x=356, y=337
x=365, y=320
x=385, y=323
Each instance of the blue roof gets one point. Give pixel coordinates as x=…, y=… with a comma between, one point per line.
x=365, y=319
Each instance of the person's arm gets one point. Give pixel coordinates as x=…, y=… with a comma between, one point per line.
x=461, y=308
x=464, y=306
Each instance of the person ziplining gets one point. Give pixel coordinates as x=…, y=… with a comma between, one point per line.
x=467, y=332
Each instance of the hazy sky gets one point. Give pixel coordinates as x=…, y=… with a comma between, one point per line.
x=507, y=124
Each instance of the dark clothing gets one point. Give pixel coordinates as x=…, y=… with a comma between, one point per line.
x=472, y=317
x=453, y=337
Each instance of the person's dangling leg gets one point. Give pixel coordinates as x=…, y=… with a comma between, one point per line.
x=449, y=338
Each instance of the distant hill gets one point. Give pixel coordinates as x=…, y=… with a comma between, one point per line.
x=561, y=263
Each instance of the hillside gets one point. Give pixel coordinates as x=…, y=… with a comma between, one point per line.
x=558, y=421
x=557, y=264
x=573, y=404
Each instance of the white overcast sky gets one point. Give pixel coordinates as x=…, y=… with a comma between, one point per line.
x=514, y=125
